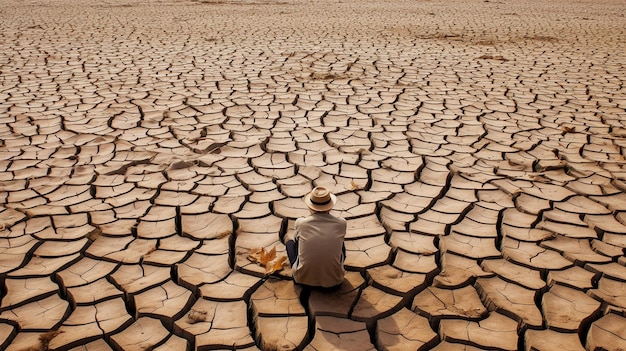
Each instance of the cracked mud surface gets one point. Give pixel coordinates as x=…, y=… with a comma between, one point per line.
x=477, y=149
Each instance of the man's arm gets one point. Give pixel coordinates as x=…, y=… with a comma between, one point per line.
x=296, y=229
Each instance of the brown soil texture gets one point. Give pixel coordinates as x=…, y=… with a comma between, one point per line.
x=477, y=149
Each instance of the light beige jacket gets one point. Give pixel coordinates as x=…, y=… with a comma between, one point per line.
x=320, y=241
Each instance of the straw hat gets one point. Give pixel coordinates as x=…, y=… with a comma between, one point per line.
x=320, y=199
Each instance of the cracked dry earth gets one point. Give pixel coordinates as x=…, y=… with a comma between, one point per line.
x=476, y=148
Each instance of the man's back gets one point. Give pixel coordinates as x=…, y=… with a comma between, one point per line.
x=320, y=244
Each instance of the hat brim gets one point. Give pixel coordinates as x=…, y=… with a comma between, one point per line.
x=320, y=208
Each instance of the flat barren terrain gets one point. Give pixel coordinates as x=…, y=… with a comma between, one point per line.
x=477, y=149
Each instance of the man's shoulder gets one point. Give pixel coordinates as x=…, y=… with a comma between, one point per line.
x=322, y=216
x=327, y=217
x=340, y=220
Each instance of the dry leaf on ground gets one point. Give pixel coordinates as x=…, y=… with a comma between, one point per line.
x=267, y=259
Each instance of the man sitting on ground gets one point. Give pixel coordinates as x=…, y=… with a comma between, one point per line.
x=316, y=252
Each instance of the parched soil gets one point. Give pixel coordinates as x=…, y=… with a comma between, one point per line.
x=477, y=149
